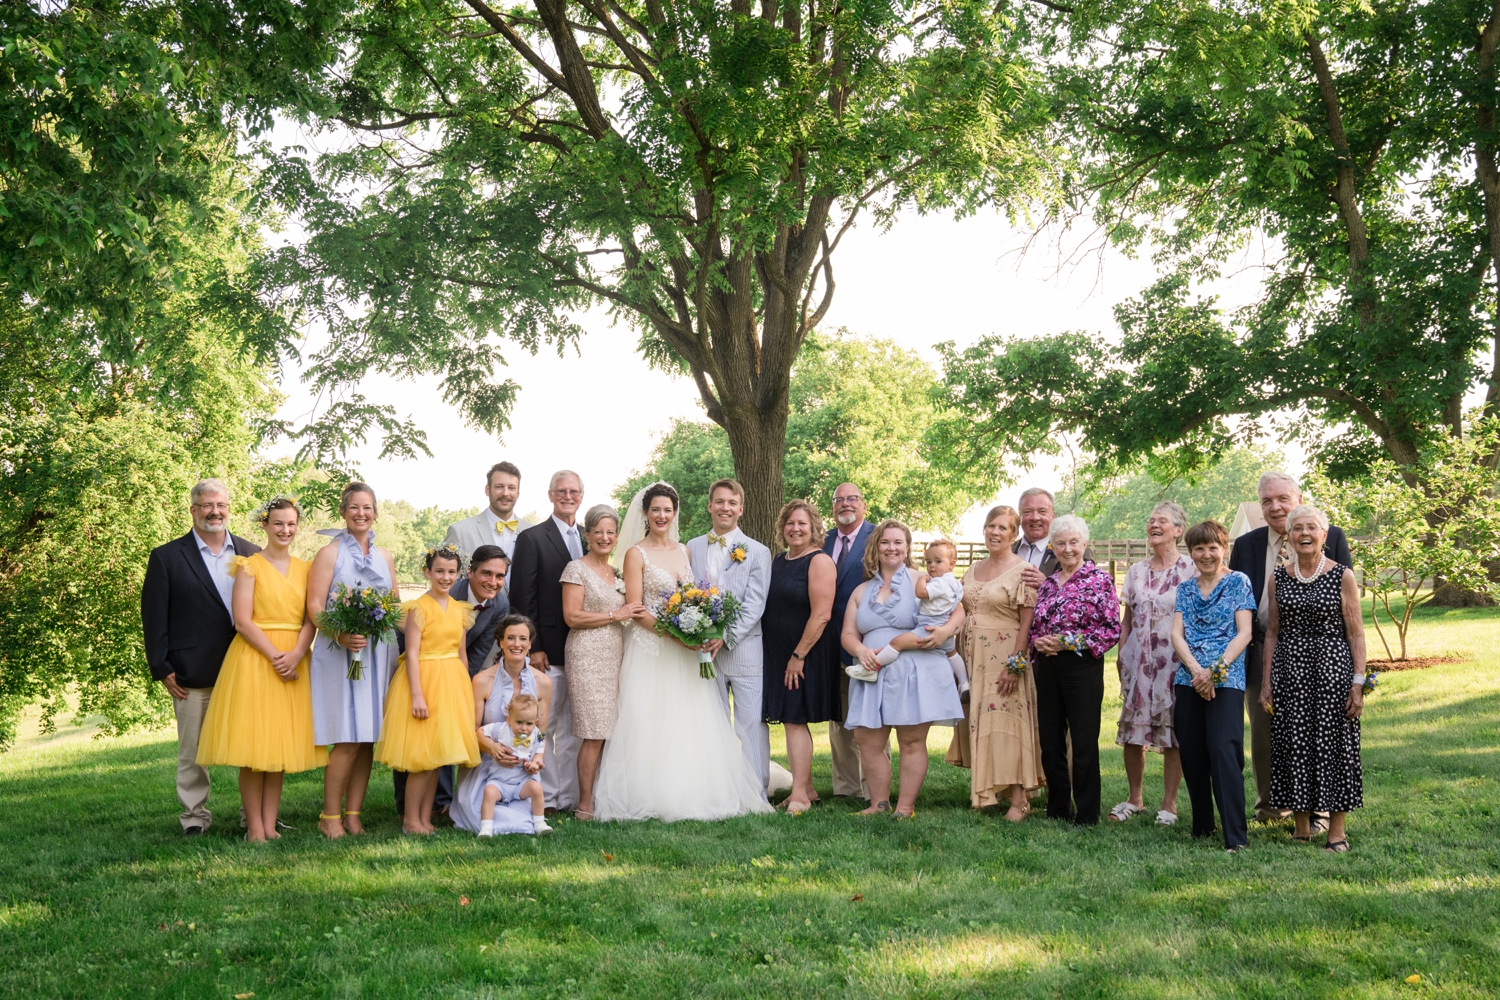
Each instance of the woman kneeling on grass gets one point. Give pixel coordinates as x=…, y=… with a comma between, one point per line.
x=429, y=710
x=260, y=715
x=1210, y=630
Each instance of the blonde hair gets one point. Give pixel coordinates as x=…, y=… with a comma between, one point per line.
x=943, y=543
x=813, y=517
x=521, y=701
x=1011, y=515
x=732, y=485
x=872, y=547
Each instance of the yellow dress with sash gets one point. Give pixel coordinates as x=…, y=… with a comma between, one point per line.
x=446, y=736
x=255, y=719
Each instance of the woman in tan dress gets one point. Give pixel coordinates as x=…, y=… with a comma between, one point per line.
x=1001, y=747
x=594, y=608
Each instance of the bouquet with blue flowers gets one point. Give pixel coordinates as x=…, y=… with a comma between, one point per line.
x=374, y=614
x=696, y=613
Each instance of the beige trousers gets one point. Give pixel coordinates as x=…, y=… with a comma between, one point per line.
x=848, y=773
x=192, y=778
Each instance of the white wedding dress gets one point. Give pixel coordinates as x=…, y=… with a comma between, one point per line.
x=673, y=754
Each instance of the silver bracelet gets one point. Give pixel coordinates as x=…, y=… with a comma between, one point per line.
x=1359, y=680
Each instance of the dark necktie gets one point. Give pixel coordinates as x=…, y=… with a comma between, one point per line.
x=843, y=551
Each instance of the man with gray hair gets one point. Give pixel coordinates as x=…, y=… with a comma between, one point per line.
x=1257, y=553
x=542, y=553
x=1037, y=510
x=188, y=625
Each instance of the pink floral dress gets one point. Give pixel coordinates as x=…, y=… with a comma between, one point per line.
x=1146, y=661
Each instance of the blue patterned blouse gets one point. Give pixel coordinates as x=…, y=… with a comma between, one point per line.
x=1208, y=624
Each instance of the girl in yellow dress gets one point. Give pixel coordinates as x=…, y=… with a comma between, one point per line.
x=260, y=714
x=429, y=709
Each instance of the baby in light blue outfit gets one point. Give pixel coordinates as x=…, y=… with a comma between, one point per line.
x=938, y=593
x=518, y=734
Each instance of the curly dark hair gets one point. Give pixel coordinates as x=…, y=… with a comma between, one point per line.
x=659, y=490
x=514, y=618
x=443, y=552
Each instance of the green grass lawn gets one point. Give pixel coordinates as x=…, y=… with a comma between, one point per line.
x=99, y=896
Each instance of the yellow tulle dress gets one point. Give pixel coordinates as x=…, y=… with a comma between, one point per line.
x=446, y=736
x=255, y=719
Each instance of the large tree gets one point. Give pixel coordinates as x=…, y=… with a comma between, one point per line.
x=1357, y=139
x=858, y=413
x=691, y=165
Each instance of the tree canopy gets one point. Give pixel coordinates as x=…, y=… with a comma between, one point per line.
x=691, y=165
x=1359, y=139
x=859, y=413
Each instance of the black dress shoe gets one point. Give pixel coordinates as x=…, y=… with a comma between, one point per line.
x=192, y=831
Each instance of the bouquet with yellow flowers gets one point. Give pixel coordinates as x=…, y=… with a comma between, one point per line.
x=374, y=614
x=696, y=613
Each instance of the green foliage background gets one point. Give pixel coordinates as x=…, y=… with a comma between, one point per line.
x=1118, y=508
x=860, y=409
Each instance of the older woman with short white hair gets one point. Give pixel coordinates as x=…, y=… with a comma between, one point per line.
x=1077, y=620
x=1146, y=664
x=1314, y=682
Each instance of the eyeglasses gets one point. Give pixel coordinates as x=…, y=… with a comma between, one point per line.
x=856, y=498
x=210, y=507
x=567, y=493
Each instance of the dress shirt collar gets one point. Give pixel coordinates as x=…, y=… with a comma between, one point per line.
x=851, y=533
x=564, y=526
x=207, y=549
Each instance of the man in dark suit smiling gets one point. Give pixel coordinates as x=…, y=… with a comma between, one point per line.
x=188, y=626
x=846, y=544
x=542, y=552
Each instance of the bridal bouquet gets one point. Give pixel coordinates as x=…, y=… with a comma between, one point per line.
x=374, y=614
x=696, y=613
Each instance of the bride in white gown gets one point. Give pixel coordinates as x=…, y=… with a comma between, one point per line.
x=673, y=754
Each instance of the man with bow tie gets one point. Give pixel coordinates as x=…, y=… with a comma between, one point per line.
x=729, y=559
x=497, y=524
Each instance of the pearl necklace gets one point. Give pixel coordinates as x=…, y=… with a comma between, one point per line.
x=1297, y=569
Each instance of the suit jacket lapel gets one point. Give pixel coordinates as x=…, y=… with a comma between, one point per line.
x=195, y=562
x=555, y=533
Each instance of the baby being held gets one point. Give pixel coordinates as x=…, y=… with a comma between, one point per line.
x=519, y=734
x=938, y=593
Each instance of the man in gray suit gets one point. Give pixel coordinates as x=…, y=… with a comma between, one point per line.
x=497, y=524
x=733, y=561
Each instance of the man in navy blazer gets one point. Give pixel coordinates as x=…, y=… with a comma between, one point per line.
x=188, y=626
x=846, y=544
x=1255, y=554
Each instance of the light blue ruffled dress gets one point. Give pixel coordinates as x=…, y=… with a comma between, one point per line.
x=468, y=793
x=918, y=687
x=346, y=711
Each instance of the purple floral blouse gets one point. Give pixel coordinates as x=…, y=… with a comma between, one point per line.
x=1086, y=605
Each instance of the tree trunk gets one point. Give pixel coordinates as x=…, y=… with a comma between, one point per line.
x=758, y=441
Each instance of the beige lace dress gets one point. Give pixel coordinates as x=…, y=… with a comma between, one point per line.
x=593, y=657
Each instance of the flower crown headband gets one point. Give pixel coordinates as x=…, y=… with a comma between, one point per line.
x=278, y=502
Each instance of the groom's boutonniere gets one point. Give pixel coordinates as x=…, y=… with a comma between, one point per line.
x=737, y=553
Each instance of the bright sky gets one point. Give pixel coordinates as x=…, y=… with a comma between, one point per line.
x=600, y=411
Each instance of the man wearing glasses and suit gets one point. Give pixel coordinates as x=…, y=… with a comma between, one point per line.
x=846, y=544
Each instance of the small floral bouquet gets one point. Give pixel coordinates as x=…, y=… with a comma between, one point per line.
x=1073, y=642
x=696, y=613
x=619, y=581
x=1016, y=664
x=374, y=614
x=1218, y=672
x=1371, y=682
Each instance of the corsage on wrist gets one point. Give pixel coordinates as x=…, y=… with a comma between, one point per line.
x=1016, y=664
x=1367, y=682
x=1218, y=672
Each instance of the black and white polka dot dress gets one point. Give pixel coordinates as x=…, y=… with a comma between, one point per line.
x=1314, y=747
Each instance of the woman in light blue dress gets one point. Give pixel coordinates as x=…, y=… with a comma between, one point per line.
x=494, y=686
x=910, y=695
x=346, y=713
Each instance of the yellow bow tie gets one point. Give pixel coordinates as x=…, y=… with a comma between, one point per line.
x=714, y=539
x=507, y=525
x=521, y=740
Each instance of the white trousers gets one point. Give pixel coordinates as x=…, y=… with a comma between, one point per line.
x=560, y=775
x=747, y=715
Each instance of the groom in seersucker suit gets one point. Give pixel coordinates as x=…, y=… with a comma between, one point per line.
x=731, y=560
